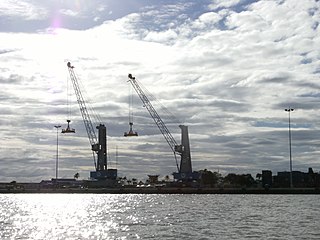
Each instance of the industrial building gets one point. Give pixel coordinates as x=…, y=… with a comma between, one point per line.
x=300, y=179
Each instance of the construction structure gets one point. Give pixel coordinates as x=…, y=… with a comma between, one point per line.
x=98, y=144
x=185, y=172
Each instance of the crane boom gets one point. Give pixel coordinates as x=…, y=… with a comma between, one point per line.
x=155, y=116
x=98, y=145
x=83, y=108
x=185, y=171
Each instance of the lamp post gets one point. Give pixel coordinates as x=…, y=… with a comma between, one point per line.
x=57, y=153
x=289, y=110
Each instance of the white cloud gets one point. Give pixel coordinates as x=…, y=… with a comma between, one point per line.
x=166, y=36
x=69, y=12
x=216, y=4
x=23, y=9
x=206, y=20
x=226, y=74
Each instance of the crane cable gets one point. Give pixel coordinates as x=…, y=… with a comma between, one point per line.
x=130, y=104
x=96, y=117
x=166, y=112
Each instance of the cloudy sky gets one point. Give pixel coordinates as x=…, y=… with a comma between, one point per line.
x=225, y=68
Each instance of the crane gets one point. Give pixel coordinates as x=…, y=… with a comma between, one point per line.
x=98, y=144
x=185, y=170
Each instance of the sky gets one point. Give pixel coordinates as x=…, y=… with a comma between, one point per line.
x=225, y=68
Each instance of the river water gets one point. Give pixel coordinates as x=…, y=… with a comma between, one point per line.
x=148, y=216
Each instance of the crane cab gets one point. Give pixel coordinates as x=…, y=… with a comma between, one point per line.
x=131, y=133
x=68, y=129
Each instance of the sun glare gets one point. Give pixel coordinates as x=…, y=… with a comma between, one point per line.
x=51, y=216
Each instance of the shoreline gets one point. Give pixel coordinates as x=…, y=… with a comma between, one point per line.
x=163, y=190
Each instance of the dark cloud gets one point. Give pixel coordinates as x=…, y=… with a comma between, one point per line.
x=307, y=84
x=280, y=80
x=310, y=95
x=300, y=105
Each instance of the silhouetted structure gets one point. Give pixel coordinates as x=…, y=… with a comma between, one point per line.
x=266, y=178
x=299, y=179
x=153, y=179
x=242, y=180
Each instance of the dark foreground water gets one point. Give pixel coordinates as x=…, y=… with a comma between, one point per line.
x=134, y=216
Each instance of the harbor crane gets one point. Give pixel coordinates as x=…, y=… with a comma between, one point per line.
x=185, y=170
x=98, y=144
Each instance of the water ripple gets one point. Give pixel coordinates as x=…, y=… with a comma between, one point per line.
x=137, y=216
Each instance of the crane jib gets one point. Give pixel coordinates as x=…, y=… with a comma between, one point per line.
x=83, y=109
x=176, y=149
x=155, y=116
x=98, y=144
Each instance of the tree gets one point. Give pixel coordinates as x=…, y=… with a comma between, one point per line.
x=209, y=178
x=239, y=180
x=231, y=178
x=77, y=175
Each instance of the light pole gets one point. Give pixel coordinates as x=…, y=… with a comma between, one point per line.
x=57, y=154
x=289, y=110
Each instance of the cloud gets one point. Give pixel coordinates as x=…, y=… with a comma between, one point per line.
x=23, y=9
x=68, y=12
x=166, y=36
x=5, y=51
x=227, y=69
x=12, y=79
x=216, y=4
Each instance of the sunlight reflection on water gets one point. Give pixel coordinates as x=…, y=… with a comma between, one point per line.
x=134, y=216
x=55, y=216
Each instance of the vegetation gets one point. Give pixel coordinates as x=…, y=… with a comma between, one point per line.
x=214, y=179
x=209, y=178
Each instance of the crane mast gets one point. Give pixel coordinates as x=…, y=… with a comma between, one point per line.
x=98, y=144
x=185, y=170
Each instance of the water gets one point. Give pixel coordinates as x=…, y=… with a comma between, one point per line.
x=135, y=216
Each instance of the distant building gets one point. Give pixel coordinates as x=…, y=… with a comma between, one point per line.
x=60, y=182
x=153, y=179
x=299, y=179
x=266, y=178
x=317, y=180
x=282, y=179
